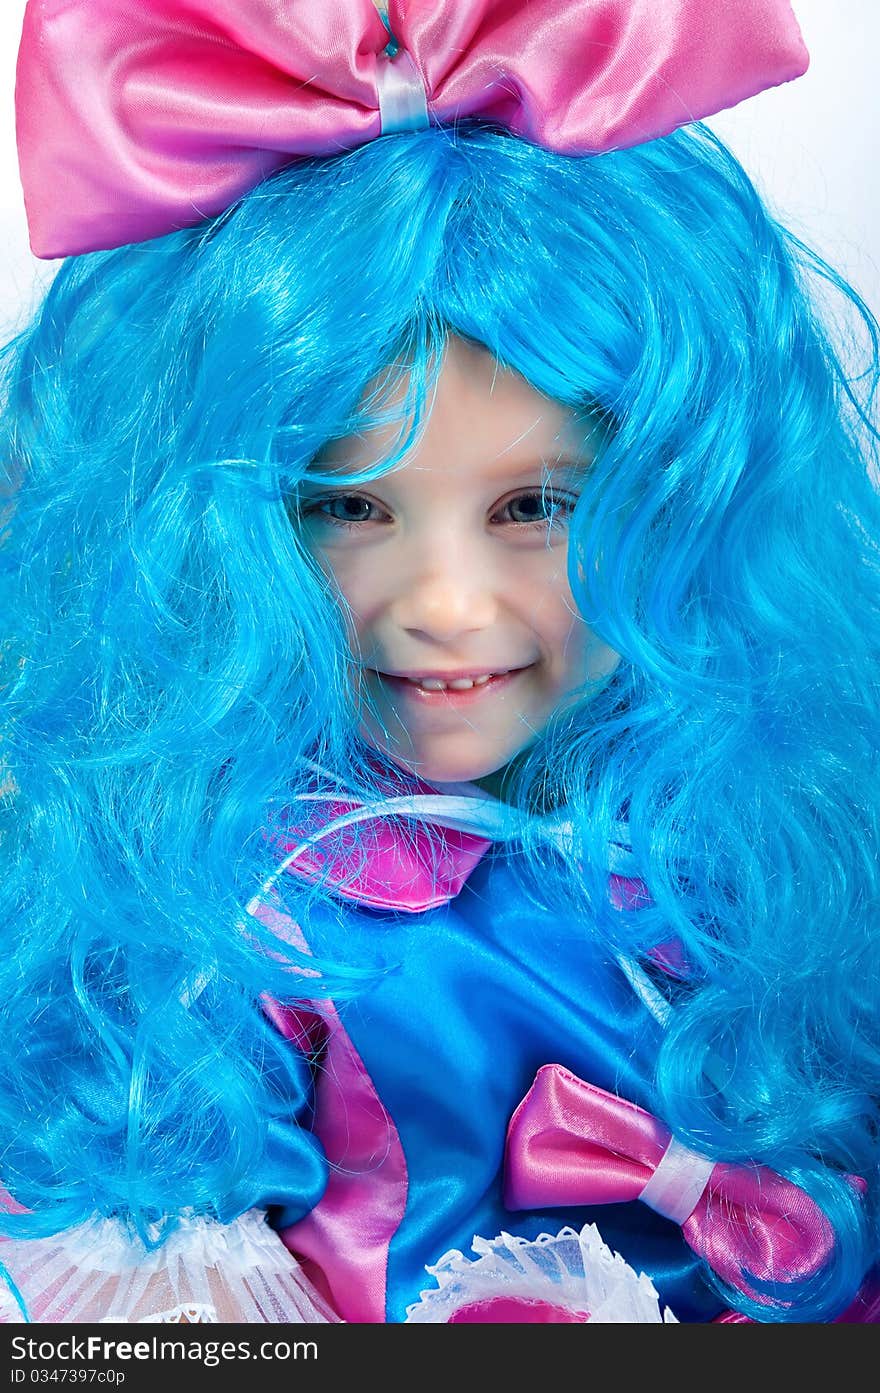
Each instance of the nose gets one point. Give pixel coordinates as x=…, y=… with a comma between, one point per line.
x=446, y=597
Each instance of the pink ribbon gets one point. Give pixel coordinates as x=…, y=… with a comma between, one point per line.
x=570, y=1143
x=137, y=117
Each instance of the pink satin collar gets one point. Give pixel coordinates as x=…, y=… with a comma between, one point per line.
x=138, y=117
x=385, y=863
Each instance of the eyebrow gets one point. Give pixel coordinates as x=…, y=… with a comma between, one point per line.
x=505, y=467
x=569, y=463
x=502, y=469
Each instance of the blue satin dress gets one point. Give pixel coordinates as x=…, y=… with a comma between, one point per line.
x=476, y=996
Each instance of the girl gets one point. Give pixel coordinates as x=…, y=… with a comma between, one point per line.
x=440, y=727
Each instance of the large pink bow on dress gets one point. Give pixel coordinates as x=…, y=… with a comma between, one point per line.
x=137, y=117
x=570, y=1143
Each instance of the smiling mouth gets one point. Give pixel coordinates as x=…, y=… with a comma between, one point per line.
x=456, y=691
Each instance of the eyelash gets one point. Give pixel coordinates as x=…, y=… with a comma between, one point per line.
x=559, y=503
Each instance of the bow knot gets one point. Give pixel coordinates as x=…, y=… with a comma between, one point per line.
x=571, y=1143
x=403, y=100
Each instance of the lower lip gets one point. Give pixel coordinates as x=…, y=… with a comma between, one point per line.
x=450, y=696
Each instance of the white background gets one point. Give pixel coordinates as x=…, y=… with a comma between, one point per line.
x=811, y=145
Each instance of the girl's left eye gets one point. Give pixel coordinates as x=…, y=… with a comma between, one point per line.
x=537, y=507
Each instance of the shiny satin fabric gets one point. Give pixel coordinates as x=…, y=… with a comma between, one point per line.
x=572, y=1143
x=382, y=868
x=420, y=1078
x=410, y=1072
x=137, y=119
x=474, y=997
x=342, y=1239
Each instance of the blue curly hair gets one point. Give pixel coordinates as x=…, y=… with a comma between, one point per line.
x=173, y=664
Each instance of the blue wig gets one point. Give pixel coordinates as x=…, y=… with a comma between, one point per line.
x=173, y=664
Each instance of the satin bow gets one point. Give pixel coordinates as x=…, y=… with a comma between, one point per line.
x=570, y=1143
x=135, y=119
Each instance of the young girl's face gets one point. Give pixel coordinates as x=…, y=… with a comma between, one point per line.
x=453, y=567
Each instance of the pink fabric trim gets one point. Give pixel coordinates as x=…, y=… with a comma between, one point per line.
x=344, y=1241
x=670, y=958
x=516, y=1310
x=631, y=892
x=10, y=1205
x=628, y=891
x=348, y=1233
x=386, y=863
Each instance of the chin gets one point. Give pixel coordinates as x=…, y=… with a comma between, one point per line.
x=447, y=771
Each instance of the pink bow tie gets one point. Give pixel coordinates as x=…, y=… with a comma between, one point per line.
x=570, y=1143
x=137, y=117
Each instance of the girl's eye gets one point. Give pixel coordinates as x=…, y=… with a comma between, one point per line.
x=343, y=509
x=537, y=508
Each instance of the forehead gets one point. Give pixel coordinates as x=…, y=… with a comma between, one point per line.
x=479, y=415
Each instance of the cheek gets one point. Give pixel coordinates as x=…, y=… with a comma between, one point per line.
x=547, y=601
x=351, y=582
x=577, y=651
x=587, y=657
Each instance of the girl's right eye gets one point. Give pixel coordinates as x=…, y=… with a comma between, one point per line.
x=343, y=510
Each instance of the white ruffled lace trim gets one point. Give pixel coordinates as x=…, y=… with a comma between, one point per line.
x=204, y=1272
x=575, y=1271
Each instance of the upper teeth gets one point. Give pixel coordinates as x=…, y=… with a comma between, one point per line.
x=458, y=684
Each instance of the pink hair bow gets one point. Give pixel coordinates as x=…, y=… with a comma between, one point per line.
x=570, y=1143
x=138, y=117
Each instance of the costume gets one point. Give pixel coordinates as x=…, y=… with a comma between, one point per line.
x=418, y=1078
x=482, y=989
